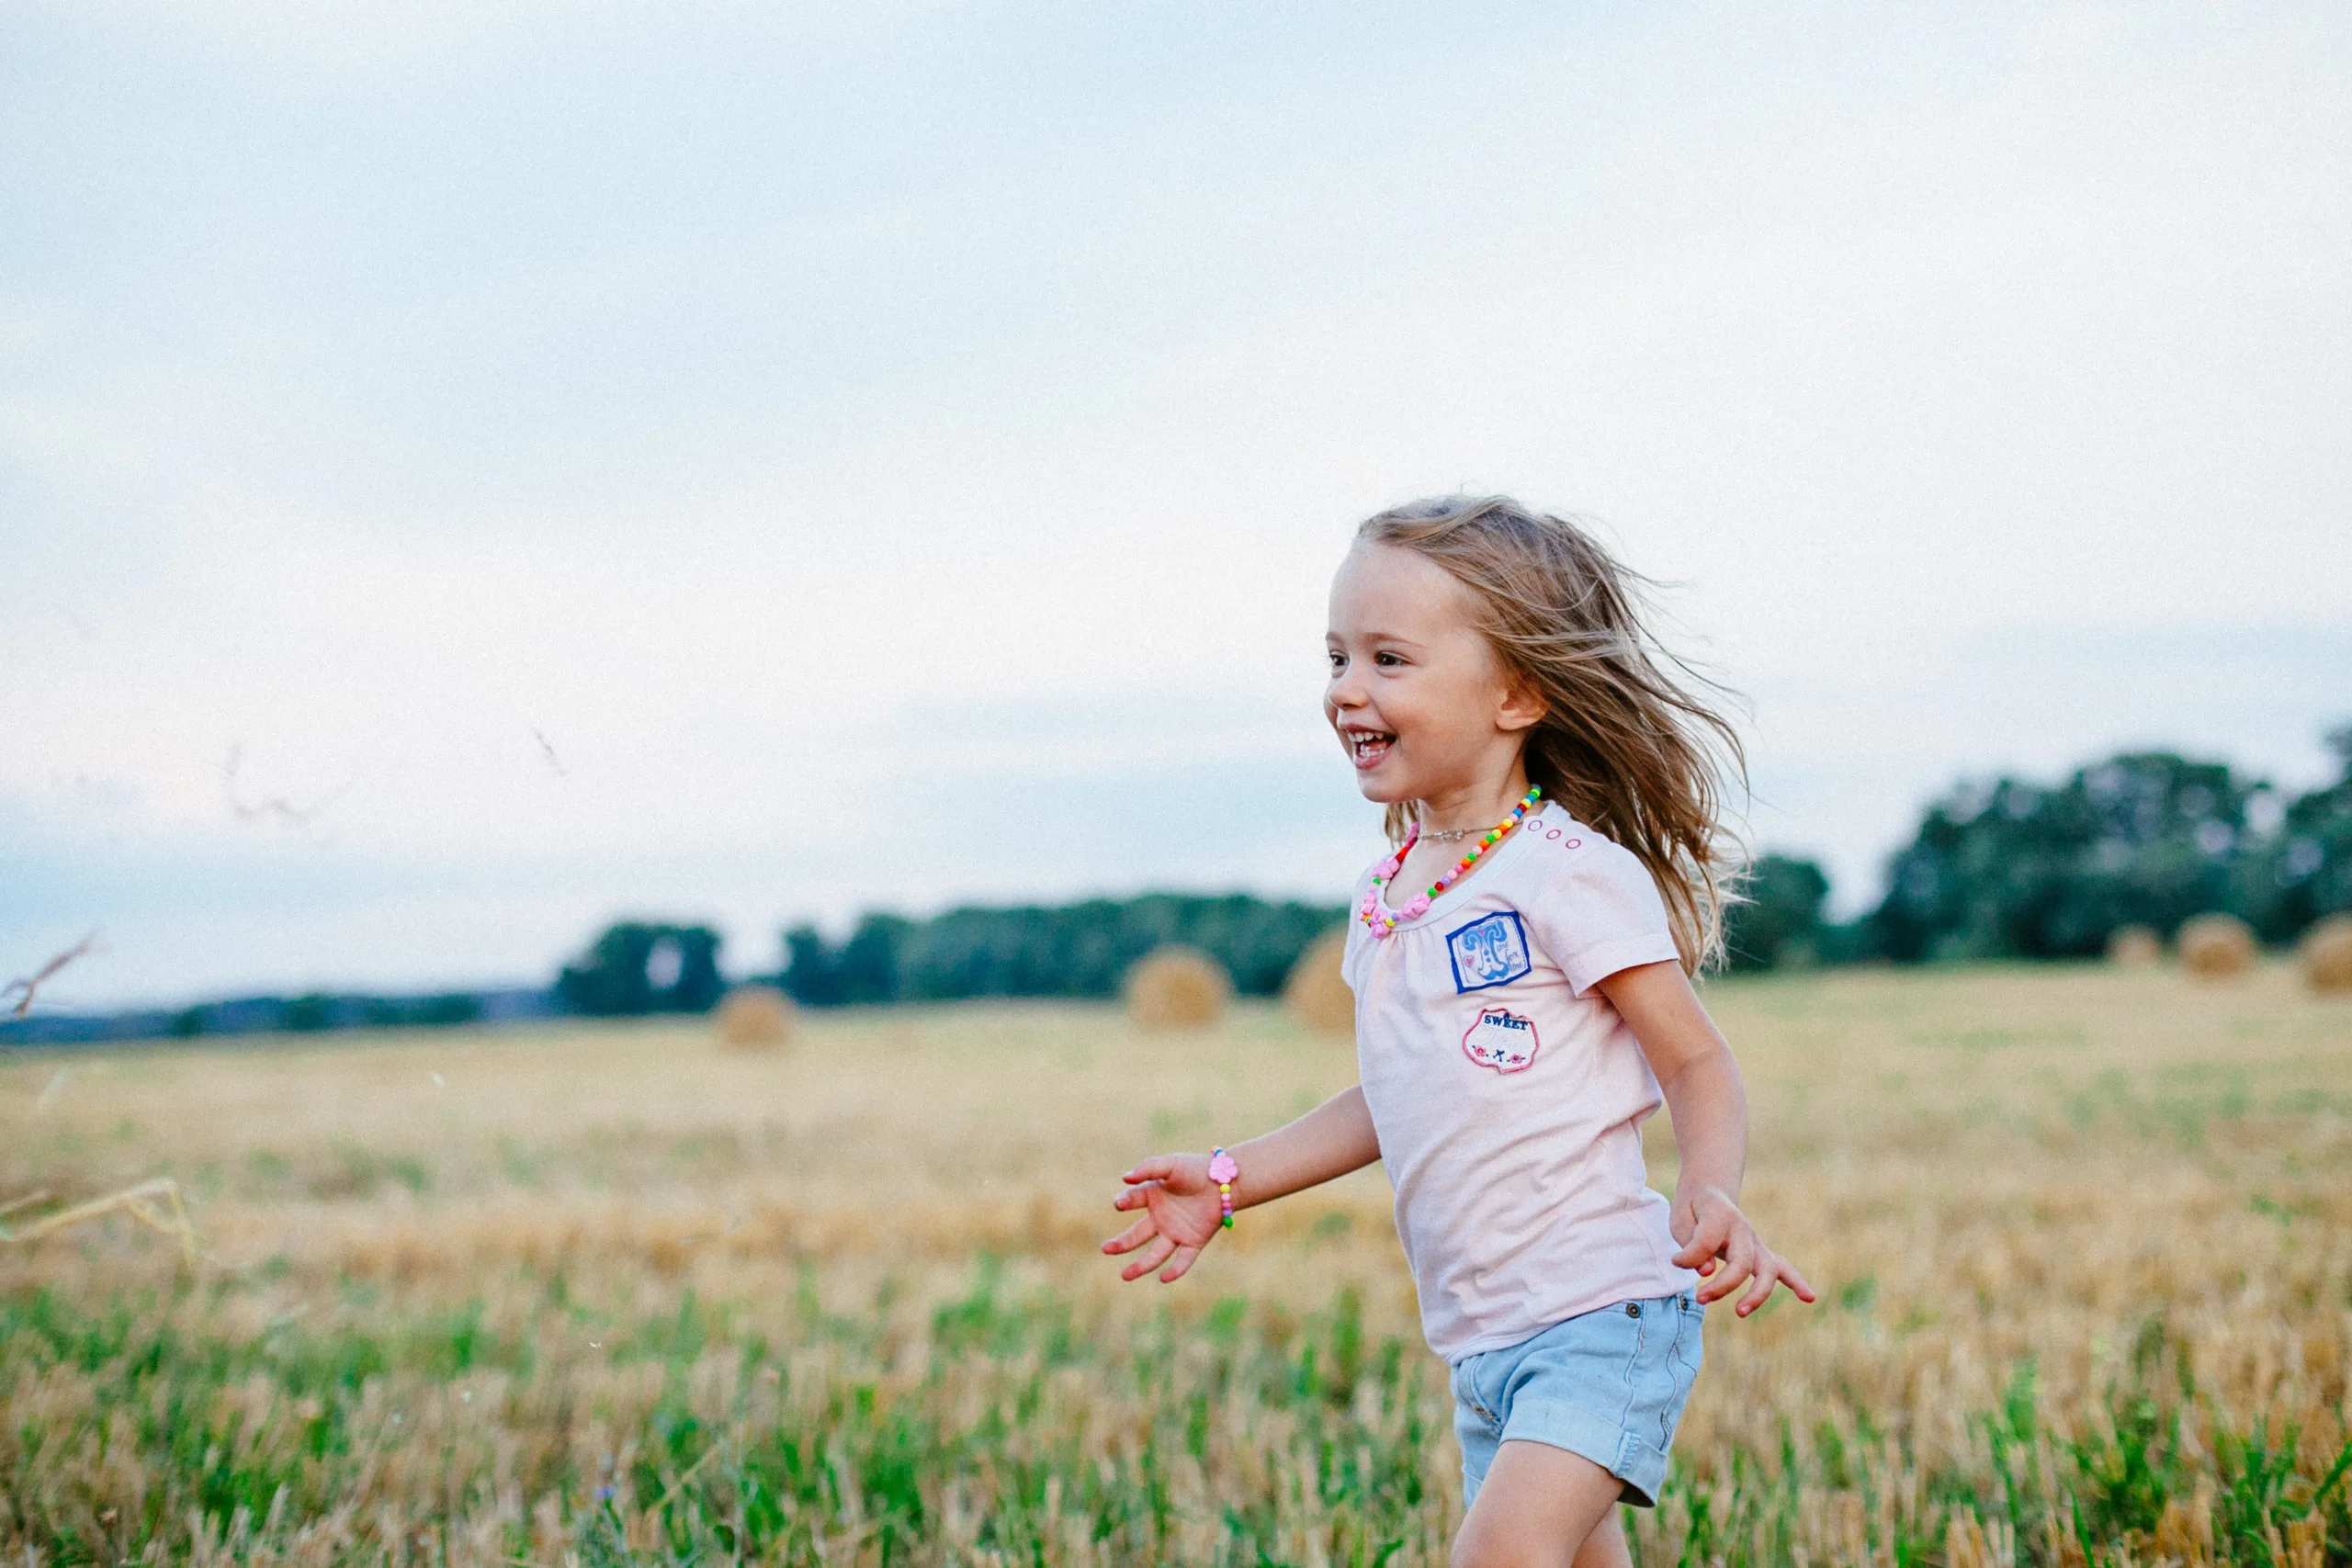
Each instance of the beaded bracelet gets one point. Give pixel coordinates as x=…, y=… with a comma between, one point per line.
x=1224, y=1172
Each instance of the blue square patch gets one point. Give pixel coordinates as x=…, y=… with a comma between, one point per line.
x=1491, y=950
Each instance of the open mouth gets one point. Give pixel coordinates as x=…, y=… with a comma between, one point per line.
x=1368, y=748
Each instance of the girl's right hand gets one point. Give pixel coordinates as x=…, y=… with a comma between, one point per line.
x=1181, y=1215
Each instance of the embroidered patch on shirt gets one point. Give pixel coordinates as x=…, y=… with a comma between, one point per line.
x=1491, y=951
x=1502, y=1040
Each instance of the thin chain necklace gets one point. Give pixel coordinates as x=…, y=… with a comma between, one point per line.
x=1384, y=921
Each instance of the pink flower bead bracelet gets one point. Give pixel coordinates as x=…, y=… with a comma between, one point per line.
x=1224, y=1173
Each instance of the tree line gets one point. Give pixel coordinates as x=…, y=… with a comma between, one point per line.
x=2026, y=868
x=1071, y=950
x=2010, y=868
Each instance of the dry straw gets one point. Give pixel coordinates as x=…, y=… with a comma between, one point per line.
x=154, y=1203
x=1316, y=993
x=2065, y=1189
x=2135, y=947
x=2216, y=947
x=2327, y=956
x=1176, y=988
x=754, y=1018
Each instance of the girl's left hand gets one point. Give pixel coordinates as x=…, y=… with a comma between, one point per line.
x=1724, y=1247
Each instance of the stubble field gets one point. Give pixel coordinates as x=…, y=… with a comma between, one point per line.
x=605, y=1294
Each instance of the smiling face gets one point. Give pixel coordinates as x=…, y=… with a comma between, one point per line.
x=1425, y=709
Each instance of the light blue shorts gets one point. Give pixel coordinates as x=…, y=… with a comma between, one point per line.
x=1608, y=1384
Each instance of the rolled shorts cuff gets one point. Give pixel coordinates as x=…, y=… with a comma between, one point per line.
x=1640, y=1465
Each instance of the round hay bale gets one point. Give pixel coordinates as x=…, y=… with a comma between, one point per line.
x=2327, y=956
x=2135, y=947
x=1315, y=994
x=1176, y=988
x=2215, y=947
x=754, y=1018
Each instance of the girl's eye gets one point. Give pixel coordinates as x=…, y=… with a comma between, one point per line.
x=1339, y=660
x=1386, y=661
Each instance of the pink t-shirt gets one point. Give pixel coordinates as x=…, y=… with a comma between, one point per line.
x=1508, y=1095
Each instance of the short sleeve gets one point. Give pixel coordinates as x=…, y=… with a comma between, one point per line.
x=1599, y=912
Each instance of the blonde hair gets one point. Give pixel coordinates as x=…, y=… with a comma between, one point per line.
x=1629, y=741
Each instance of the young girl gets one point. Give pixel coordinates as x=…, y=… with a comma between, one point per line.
x=1521, y=970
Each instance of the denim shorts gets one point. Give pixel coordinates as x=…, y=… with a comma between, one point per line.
x=1607, y=1385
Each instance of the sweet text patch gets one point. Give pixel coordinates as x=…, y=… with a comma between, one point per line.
x=1502, y=1040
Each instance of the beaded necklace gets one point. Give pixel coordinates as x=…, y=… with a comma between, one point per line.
x=1383, y=921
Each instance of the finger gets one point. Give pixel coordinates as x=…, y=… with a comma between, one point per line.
x=1159, y=1168
x=1705, y=1242
x=1786, y=1272
x=1178, y=1264
x=1759, y=1292
x=1154, y=1256
x=1702, y=1252
x=1135, y=1197
x=1135, y=1235
x=1739, y=1264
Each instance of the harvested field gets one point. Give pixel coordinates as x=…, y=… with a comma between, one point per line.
x=603, y=1294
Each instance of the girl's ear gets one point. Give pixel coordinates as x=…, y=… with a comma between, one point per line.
x=1523, y=705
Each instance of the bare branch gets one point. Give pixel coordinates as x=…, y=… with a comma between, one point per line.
x=30, y=985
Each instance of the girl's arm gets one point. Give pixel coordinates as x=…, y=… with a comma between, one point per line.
x=1182, y=1212
x=1695, y=1068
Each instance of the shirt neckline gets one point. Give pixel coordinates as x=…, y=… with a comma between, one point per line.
x=1454, y=893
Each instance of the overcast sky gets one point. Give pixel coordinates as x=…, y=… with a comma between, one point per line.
x=762, y=462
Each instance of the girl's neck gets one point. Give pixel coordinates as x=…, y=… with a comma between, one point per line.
x=1473, y=807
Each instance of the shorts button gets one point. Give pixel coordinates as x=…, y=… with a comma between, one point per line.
x=1632, y=1309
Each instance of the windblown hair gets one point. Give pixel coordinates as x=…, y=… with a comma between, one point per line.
x=1631, y=739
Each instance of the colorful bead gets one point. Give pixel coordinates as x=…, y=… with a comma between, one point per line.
x=1223, y=1171
x=1383, y=921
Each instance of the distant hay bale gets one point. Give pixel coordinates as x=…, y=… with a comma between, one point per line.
x=754, y=1018
x=2215, y=947
x=2327, y=956
x=1176, y=988
x=2135, y=947
x=1315, y=994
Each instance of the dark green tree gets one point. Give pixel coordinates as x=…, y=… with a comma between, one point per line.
x=867, y=967
x=444, y=1011
x=2304, y=872
x=811, y=970
x=2016, y=869
x=1074, y=950
x=640, y=967
x=1780, y=920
